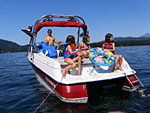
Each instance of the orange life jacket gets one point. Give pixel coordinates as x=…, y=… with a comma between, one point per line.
x=108, y=45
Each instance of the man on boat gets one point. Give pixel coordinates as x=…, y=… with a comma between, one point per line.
x=50, y=39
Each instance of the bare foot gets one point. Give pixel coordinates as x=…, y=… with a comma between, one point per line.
x=141, y=90
x=114, y=70
x=143, y=95
x=116, y=112
x=148, y=95
x=63, y=73
x=120, y=68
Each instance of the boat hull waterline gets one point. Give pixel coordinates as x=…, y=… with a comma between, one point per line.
x=76, y=93
x=73, y=93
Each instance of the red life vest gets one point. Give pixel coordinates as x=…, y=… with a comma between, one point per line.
x=108, y=45
x=73, y=46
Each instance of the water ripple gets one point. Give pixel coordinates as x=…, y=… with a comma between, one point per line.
x=20, y=92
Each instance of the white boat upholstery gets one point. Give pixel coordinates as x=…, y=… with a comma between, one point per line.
x=89, y=71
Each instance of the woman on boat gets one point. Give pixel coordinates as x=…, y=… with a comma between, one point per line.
x=70, y=56
x=84, y=46
x=110, y=46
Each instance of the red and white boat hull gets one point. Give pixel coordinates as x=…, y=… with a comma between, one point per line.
x=72, y=93
x=74, y=88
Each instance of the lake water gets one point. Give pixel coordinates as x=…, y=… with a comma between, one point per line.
x=20, y=92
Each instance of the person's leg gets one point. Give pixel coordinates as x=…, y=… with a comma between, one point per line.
x=79, y=65
x=85, y=54
x=115, y=64
x=71, y=65
x=120, y=63
x=78, y=58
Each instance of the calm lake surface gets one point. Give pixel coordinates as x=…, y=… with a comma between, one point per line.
x=20, y=92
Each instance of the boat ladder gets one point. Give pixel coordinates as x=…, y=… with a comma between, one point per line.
x=134, y=82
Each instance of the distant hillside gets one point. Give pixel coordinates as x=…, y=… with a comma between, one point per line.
x=126, y=41
x=131, y=38
x=145, y=35
x=8, y=46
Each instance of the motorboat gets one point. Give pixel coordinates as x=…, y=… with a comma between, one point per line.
x=73, y=88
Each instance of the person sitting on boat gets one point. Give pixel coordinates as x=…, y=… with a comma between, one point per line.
x=110, y=46
x=70, y=56
x=84, y=46
x=50, y=40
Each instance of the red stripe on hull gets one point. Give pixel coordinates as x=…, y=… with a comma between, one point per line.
x=65, y=91
x=72, y=91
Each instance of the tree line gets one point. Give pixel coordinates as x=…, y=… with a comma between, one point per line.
x=8, y=46
x=124, y=43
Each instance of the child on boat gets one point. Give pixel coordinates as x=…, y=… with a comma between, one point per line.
x=110, y=45
x=84, y=46
x=70, y=56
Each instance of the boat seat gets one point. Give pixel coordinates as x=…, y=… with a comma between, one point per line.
x=48, y=50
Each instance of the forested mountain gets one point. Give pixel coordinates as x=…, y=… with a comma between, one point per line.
x=145, y=35
x=131, y=38
x=8, y=46
x=126, y=41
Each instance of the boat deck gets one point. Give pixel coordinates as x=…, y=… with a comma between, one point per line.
x=89, y=72
x=72, y=79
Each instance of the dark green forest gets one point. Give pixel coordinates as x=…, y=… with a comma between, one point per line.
x=8, y=46
x=124, y=43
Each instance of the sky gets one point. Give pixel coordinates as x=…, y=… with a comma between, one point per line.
x=119, y=17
